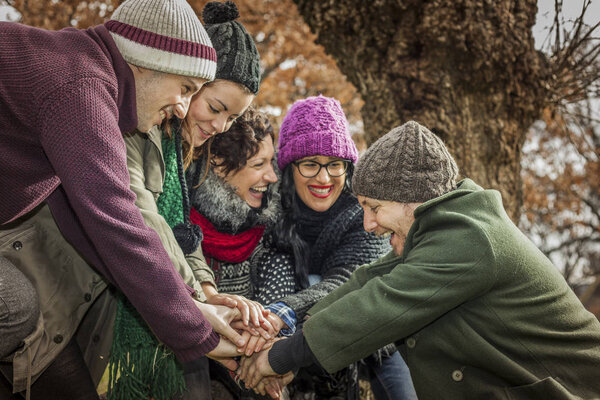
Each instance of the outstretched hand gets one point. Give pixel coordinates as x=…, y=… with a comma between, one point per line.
x=273, y=385
x=221, y=317
x=252, y=311
x=259, y=339
x=254, y=368
x=224, y=353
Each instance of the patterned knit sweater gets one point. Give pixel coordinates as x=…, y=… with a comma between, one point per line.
x=266, y=275
x=338, y=245
x=66, y=97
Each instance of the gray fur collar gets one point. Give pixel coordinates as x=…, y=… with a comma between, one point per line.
x=217, y=201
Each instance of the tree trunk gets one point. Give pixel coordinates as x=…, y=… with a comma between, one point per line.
x=466, y=69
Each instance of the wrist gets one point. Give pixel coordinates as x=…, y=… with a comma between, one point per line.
x=209, y=290
x=280, y=323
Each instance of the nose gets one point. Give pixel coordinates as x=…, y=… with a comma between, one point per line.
x=219, y=124
x=270, y=175
x=323, y=176
x=369, y=222
x=181, y=108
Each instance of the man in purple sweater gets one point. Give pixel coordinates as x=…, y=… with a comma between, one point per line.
x=66, y=97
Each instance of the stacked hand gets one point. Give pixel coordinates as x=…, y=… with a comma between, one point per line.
x=257, y=373
x=247, y=329
x=260, y=339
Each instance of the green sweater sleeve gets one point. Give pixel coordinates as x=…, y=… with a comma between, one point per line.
x=391, y=299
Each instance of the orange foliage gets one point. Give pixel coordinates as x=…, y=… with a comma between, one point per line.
x=561, y=176
x=294, y=66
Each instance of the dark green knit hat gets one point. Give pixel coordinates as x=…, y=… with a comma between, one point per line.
x=409, y=164
x=237, y=57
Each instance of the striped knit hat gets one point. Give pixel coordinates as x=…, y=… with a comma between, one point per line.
x=163, y=35
x=315, y=126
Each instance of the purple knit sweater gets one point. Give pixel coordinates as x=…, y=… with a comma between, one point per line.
x=65, y=98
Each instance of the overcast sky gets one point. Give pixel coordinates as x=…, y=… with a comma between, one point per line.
x=571, y=10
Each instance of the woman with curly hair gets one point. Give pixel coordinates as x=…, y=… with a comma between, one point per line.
x=235, y=201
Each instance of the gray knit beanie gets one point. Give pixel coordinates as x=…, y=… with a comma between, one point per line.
x=408, y=165
x=238, y=58
x=163, y=35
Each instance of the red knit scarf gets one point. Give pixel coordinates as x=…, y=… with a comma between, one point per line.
x=224, y=246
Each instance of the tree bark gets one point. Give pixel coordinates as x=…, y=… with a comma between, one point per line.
x=466, y=69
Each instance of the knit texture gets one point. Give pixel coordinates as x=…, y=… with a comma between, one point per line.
x=315, y=126
x=239, y=60
x=408, y=165
x=163, y=35
x=170, y=201
x=264, y=275
x=140, y=366
x=225, y=246
x=187, y=234
x=67, y=97
x=339, y=245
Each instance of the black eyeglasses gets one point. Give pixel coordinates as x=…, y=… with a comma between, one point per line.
x=310, y=169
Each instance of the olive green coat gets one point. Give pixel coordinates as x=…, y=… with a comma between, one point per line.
x=147, y=173
x=476, y=309
x=67, y=286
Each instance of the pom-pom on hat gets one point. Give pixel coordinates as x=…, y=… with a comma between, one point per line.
x=409, y=164
x=315, y=126
x=237, y=54
x=163, y=35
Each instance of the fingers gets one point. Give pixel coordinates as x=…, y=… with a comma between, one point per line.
x=242, y=371
x=260, y=344
x=246, y=336
x=287, y=378
x=266, y=325
x=256, y=314
x=239, y=326
x=223, y=300
x=232, y=335
x=245, y=310
x=223, y=353
x=253, y=369
x=260, y=388
x=255, y=310
x=251, y=346
x=229, y=363
x=273, y=388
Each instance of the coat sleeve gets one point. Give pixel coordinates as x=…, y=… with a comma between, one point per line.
x=356, y=248
x=358, y=279
x=80, y=136
x=444, y=270
x=146, y=201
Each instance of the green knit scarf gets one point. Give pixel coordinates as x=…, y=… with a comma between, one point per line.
x=140, y=366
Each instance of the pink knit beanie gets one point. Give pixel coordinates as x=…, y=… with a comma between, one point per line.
x=315, y=126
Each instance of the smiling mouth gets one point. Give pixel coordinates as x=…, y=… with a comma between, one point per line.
x=258, y=191
x=164, y=114
x=203, y=134
x=321, y=192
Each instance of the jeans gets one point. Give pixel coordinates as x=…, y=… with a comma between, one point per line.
x=391, y=380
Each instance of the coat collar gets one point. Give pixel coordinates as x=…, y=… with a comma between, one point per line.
x=464, y=187
x=154, y=164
